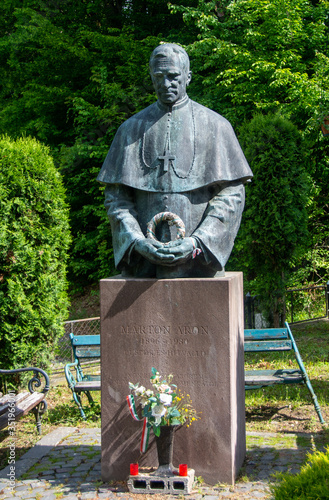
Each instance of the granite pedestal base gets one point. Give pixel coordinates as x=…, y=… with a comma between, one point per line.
x=192, y=328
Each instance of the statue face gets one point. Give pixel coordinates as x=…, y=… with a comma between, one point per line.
x=169, y=79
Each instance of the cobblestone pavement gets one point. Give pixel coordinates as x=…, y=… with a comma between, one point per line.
x=66, y=464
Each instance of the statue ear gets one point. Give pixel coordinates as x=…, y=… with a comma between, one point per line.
x=189, y=78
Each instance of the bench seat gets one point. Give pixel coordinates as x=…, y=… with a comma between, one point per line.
x=272, y=377
x=87, y=385
x=24, y=401
x=276, y=340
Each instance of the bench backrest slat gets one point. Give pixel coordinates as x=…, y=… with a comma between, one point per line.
x=77, y=340
x=275, y=345
x=266, y=334
x=85, y=346
x=87, y=352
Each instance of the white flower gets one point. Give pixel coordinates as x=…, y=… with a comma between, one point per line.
x=165, y=388
x=140, y=390
x=166, y=399
x=158, y=411
x=144, y=398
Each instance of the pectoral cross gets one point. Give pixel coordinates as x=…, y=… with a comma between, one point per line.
x=167, y=157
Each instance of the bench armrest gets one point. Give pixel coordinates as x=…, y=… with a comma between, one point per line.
x=35, y=381
x=71, y=380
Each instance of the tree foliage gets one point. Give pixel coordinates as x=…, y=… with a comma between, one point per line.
x=72, y=72
x=258, y=55
x=255, y=56
x=34, y=238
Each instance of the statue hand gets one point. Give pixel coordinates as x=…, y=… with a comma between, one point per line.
x=149, y=250
x=181, y=249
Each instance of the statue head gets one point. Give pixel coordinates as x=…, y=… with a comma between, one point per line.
x=170, y=72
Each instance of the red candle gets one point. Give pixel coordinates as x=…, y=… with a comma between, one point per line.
x=134, y=469
x=183, y=469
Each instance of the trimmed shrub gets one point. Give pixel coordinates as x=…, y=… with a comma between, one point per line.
x=312, y=483
x=274, y=225
x=34, y=238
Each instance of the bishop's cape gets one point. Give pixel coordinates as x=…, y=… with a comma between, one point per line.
x=184, y=159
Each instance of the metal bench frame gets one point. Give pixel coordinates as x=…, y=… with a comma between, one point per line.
x=25, y=401
x=85, y=347
x=276, y=339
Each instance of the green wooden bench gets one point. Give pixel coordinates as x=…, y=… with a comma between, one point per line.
x=270, y=340
x=85, y=347
x=15, y=406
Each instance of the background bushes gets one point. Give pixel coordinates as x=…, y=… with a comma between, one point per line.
x=34, y=238
x=274, y=230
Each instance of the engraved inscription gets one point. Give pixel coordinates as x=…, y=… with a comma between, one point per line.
x=162, y=341
x=145, y=330
x=164, y=352
x=193, y=330
x=164, y=330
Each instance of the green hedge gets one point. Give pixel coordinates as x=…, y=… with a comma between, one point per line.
x=312, y=483
x=34, y=238
x=273, y=230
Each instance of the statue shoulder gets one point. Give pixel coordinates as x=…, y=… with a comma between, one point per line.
x=143, y=115
x=210, y=116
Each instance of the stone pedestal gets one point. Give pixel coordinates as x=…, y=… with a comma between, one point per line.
x=192, y=328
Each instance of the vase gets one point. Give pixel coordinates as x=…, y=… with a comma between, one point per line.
x=165, y=448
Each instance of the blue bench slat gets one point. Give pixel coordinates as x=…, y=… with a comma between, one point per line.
x=85, y=340
x=88, y=352
x=268, y=345
x=266, y=334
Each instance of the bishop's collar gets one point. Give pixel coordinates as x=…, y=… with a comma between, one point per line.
x=169, y=109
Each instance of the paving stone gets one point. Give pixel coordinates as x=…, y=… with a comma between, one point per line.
x=62, y=470
x=6, y=492
x=11, y=498
x=22, y=487
x=48, y=478
x=49, y=496
x=83, y=467
x=29, y=494
x=76, y=474
x=104, y=496
x=258, y=494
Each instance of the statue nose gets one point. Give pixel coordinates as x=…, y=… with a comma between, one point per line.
x=165, y=83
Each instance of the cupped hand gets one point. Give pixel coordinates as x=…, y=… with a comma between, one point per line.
x=149, y=249
x=181, y=250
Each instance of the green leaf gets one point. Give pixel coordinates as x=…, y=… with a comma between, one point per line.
x=156, y=430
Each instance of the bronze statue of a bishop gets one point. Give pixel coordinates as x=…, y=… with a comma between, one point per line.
x=180, y=157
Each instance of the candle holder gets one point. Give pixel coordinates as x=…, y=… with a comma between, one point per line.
x=134, y=469
x=183, y=469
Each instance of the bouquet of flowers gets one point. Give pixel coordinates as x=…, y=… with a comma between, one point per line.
x=163, y=404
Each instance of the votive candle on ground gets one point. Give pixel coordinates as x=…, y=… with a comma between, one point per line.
x=183, y=469
x=134, y=469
